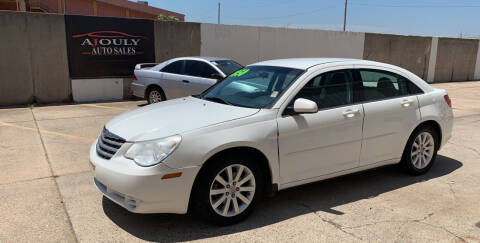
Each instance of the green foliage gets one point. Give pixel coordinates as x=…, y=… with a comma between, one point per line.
x=162, y=17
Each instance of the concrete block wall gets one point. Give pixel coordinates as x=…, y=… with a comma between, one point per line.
x=456, y=59
x=248, y=44
x=16, y=86
x=176, y=39
x=49, y=61
x=286, y=43
x=409, y=52
x=33, y=63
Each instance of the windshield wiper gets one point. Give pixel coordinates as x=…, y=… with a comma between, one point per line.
x=218, y=100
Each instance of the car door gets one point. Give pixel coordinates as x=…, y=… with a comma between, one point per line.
x=391, y=111
x=325, y=142
x=198, y=77
x=171, y=80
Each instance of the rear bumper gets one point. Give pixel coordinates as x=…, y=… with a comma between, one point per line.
x=447, y=127
x=138, y=89
x=142, y=189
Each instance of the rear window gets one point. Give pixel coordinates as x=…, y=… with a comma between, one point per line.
x=227, y=66
x=174, y=67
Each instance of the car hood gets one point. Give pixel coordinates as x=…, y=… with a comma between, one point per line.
x=173, y=117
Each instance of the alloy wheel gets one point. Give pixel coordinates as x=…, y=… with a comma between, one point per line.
x=155, y=96
x=232, y=190
x=423, y=148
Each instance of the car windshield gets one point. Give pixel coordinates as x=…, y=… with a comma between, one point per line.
x=253, y=86
x=227, y=66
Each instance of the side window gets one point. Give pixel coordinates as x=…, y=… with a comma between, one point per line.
x=412, y=88
x=199, y=69
x=379, y=85
x=174, y=67
x=328, y=89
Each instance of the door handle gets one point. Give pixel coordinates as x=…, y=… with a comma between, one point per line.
x=351, y=113
x=186, y=81
x=406, y=103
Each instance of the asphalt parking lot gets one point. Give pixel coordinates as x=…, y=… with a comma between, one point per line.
x=47, y=192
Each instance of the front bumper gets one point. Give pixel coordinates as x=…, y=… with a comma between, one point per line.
x=142, y=189
x=138, y=89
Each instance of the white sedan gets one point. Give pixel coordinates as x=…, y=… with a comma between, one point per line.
x=179, y=77
x=270, y=126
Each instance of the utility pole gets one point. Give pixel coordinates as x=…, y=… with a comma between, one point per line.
x=345, y=16
x=218, y=22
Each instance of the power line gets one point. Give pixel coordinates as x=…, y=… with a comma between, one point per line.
x=291, y=15
x=414, y=5
x=269, y=4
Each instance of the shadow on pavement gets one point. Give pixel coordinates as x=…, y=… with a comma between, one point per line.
x=320, y=196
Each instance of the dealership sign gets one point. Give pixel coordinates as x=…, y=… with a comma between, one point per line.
x=107, y=47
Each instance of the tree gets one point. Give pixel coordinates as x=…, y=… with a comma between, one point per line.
x=162, y=17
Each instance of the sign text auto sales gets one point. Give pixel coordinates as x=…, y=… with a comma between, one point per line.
x=99, y=44
x=104, y=47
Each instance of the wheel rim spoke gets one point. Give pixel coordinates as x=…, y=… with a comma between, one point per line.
x=220, y=201
x=235, y=205
x=239, y=174
x=415, y=144
x=248, y=177
x=221, y=180
x=243, y=198
x=217, y=191
x=415, y=159
x=247, y=189
x=429, y=153
x=229, y=174
x=227, y=206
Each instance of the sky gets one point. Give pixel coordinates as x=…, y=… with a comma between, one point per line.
x=451, y=18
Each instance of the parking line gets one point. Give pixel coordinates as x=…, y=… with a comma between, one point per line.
x=106, y=107
x=85, y=139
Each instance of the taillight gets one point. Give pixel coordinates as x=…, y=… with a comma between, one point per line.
x=134, y=77
x=447, y=99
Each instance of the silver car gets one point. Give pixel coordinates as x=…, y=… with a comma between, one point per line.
x=179, y=77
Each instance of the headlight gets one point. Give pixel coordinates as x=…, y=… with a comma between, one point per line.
x=152, y=152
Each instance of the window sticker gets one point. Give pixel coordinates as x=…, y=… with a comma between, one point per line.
x=274, y=94
x=240, y=72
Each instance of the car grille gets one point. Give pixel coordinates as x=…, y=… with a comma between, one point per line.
x=108, y=144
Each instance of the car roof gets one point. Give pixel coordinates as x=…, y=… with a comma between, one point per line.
x=305, y=63
x=208, y=59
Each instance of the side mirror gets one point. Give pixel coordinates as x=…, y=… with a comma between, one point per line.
x=216, y=76
x=300, y=106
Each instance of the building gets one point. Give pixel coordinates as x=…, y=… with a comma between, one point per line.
x=107, y=8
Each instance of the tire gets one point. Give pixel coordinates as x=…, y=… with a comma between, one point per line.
x=155, y=95
x=211, y=208
x=419, y=156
